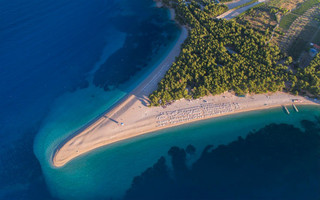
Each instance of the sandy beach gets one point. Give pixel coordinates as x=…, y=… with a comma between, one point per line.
x=139, y=119
x=132, y=117
x=90, y=137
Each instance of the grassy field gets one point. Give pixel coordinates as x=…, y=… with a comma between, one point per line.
x=287, y=4
x=259, y=17
x=293, y=40
x=266, y=16
x=305, y=6
x=246, y=4
x=288, y=19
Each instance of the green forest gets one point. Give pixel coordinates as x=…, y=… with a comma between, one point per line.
x=221, y=55
x=308, y=79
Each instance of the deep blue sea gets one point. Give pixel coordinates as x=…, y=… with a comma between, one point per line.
x=62, y=63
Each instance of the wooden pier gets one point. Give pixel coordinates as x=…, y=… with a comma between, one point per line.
x=286, y=109
x=295, y=108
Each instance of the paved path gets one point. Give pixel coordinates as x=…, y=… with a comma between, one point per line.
x=235, y=12
x=233, y=4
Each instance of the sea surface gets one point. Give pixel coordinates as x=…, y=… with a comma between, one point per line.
x=62, y=63
x=109, y=171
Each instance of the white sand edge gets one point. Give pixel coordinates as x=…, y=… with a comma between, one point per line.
x=139, y=119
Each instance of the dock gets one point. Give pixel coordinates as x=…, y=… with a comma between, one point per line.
x=295, y=108
x=286, y=109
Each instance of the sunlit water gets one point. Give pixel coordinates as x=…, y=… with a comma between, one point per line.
x=109, y=171
x=62, y=63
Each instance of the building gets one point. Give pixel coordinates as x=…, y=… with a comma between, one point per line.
x=313, y=52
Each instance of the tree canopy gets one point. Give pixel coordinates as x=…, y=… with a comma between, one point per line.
x=308, y=79
x=218, y=56
x=221, y=55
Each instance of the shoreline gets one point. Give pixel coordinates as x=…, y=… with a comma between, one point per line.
x=130, y=117
x=93, y=121
x=107, y=131
x=141, y=91
x=195, y=121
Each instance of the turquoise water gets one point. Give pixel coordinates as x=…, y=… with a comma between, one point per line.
x=73, y=109
x=62, y=63
x=109, y=171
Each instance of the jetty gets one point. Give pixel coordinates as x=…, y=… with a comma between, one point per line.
x=295, y=108
x=286, y=109
x=135, y=118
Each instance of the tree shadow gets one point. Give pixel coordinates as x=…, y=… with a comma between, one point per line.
x=278, y=161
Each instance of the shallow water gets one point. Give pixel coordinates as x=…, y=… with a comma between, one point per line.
x=51, y=83
x=109, y=171
x=63, y=63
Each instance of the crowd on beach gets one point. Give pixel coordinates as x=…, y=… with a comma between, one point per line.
x=196, y=112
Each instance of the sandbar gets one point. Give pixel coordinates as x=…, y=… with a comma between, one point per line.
x=132, y=117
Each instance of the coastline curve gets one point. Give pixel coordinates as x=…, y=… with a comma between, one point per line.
x=140, y=93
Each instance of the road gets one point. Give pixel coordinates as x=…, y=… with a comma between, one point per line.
x=235, y=12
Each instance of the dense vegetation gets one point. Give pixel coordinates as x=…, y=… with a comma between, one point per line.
x=308, y=79
x=218, y=56
x=278, y=161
